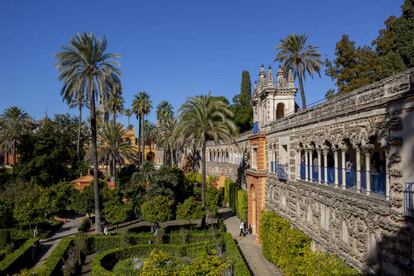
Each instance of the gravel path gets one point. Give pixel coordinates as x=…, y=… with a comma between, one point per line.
x=250, y=250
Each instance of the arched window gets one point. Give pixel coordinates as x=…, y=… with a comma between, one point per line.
x=280, y=111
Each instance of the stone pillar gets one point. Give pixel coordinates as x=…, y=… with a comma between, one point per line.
x=325, y=164
x=368, y=171
x=358, y=168
x=310, y=165
x=344, y=149
x=319, y=166
x=306, y=165
x=298, y=163
x=387, y=176
x=336, y=167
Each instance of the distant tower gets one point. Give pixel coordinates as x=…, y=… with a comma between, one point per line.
x=272, y=102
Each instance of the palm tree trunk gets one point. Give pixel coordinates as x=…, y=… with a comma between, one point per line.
x=302, y=92
x=203, y=183
x=114, y=170
x=139, y=138
x=142, y=140
x=79, y=131
x=95, y=158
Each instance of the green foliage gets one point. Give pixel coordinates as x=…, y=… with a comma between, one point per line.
x=289, y=249
x=236, y=198
x=206, y=264
x=18, y=256
x=6, y=214
x=57, y=198
x=26, y=205
x=189, y=210
x=49, y=154
x=117, y=213
x=213, y=199
x=158, y=262
x=242, y=109
x=85, y=225
x=239, y=266
x=241, y=204
x=5, y=238
x=157, y=209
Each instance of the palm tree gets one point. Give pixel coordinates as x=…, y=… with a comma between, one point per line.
x=150, y=134
x=78, y=101
x=141, y=106
x=128, y=113
x=13, y=124
x=164, y=111
x=115, y=103
x=204, y=118
x=170, y=139
x=295, y=54
x=86, y=68
x=112, y=149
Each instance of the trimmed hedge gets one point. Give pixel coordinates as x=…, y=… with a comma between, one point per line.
x=236, y=198
x=290, y=250
x=239, y=266
x=53, y=264
x=17, y=260
x=103, y=263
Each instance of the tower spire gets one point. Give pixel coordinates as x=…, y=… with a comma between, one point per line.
x=262, y=76
x=270, y=82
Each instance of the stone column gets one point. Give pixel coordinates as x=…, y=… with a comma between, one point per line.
x=387, y=176
x=319, y=166
x=325, y=164
x=358, y=168
x=298, y=162
x=344, y=149
x=368, y=149
x=306, y=165
x=310, y=165
x=335, y=150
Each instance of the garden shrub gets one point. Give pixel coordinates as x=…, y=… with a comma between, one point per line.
x=20, y=258
x=4, y=238
x=189, y=210
x=232, y=251
x=241, y=204
x=289, y=249
x=157, y=209
x=85, y=225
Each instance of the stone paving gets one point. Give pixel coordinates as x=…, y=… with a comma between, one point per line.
x=247, y=245
x=47, y=246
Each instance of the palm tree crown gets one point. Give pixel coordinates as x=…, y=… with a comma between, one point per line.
x=141, y=106
x=13, y=124
x=206, y=118
x=164, y=111
x=295, y=54
x=85, y=67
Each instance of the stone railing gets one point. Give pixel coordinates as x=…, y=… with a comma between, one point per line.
x=365, y=98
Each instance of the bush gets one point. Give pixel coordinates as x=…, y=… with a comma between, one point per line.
x=189, y=210
x=239, y=266
x=157, y=209
x=20, y=258
x=4, y=238
x=241, y=204
x=289, y=249
x=85, y=225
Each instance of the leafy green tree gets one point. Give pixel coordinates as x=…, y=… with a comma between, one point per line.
x=157, y=209
x=49, y=154
x=168, y=181
x=57, y=198
x=85, y=67
x=150, y=135
x=13, y=124
x=213, y=198
x=141, y=106
x=353, y=67
x=189, y=210
x=294, y=53
x=117, y=213
x=135, y=190
x=330, y=94
x=242, y=109
x=27, y=210
x=204, y=119
x=83, y=202
x=6, y=213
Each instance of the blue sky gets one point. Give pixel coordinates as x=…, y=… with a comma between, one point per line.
x=172, y=49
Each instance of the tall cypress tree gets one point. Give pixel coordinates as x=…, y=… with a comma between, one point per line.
x=243, y=112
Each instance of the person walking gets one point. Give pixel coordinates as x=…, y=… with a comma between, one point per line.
x=241, y=229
